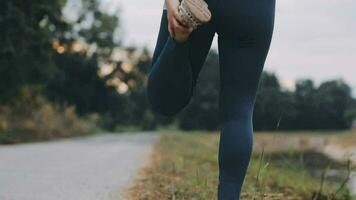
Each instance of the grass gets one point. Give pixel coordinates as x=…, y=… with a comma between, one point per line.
x=34, y=118
x=184, y=166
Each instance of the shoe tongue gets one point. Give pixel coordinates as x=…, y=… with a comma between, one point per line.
x=199, y=10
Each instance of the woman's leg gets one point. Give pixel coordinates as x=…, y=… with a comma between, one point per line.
x=175, y=67
x=245, y=29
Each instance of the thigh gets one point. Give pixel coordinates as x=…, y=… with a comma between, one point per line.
x=245, y=30
x=199, y=43
x=247, y=20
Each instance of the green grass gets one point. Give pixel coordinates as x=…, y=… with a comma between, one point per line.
x=184, y=166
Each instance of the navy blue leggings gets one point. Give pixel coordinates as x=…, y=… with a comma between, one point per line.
x=244, y=29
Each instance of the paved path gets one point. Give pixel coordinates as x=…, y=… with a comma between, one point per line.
x=93, y=168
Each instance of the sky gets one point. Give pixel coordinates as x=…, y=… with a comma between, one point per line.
x=312, y=38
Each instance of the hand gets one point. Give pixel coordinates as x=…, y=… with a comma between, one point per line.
x=176, y=26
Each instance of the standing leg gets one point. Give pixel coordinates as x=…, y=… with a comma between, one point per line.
x=175, y=67
x=245, y=30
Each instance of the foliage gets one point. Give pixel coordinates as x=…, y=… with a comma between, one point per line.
x=78, y=62
x=202, y=112
x=130, y=77
x=26, y=43
x=77, y=83
x=327, y=106
x=272, y=104
x=31, y=117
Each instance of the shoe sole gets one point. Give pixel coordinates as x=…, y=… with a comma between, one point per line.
x=194, y=12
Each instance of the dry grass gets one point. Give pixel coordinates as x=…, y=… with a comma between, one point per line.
x=35, y=119
x=306, y=139
x=184, y=166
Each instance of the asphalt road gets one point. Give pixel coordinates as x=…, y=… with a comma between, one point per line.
x=93, y=168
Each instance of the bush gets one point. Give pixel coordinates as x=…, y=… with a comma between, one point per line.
x=32, y=118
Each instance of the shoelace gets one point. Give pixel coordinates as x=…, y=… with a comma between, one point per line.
x=187, y=16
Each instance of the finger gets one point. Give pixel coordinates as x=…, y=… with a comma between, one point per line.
x=176, y=24
x=171, y=30
x=179, y=28
x=179, y=19
x=177, y=15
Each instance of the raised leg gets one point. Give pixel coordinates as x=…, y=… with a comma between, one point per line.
x=175, y=67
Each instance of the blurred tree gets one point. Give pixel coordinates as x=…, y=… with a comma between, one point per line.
x=329, y=106
x=77, y=83
x=273, y=106
x=78, y=60
x=82, y=51
x=95, y=29
x=305, y=105
x=27, y=30
x=350, y=114
x=334, y=99
x=97, y=75
x=203, y=110
x=130, y=76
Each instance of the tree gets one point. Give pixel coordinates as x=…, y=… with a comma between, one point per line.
x=77, y=83
x=306, y=103
x=27, y=30
x=334, y=100
x=131, y=76
x=273, y=107
x=88, y=44
x=203, y=109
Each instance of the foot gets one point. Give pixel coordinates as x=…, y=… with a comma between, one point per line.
x=194, y=12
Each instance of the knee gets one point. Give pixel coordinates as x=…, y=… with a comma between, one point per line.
x=165, y=106
x=237, y=134
x=167, y=99
x=236, y=149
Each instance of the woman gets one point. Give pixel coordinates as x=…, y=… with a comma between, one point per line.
x=244, y=29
